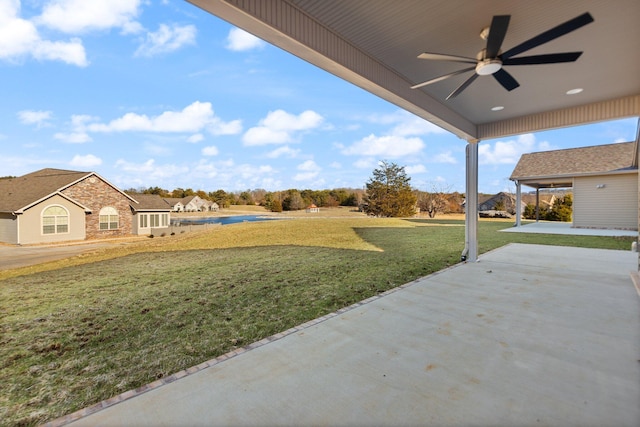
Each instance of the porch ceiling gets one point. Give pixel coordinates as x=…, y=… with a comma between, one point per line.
x=375, y=43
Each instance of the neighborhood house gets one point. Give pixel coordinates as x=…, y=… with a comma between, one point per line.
x=55, y=205
x=604, y=179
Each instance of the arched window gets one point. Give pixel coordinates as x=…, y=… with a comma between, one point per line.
x=55, y=220
x=108, y=218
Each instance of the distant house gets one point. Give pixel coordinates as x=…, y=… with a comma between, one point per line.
x=312, y=209
x=498, y=202
x=603, y=178
x=190, y=204
x=209, y=206
x=174, y=203
x=55, y=205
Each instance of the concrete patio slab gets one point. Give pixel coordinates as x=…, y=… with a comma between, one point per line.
x=529, y=335
x=554, y=227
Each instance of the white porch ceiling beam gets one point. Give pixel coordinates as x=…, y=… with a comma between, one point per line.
x=582, y=114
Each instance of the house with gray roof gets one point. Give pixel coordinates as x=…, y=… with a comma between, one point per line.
x=603, y=178
x=56, y=205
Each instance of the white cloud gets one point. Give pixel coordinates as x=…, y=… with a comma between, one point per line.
x=445, y=157
x=309, y=171
x=365, y=163
x=85, y=161
x=415, y=169
x=79, y=16
x=73, y=137
x=151, y=171
x=509, y=152
x=385, y=146
x=210, y=151
x=78, y=134
x=285, y=151
x=38, y=118
x=167, y=39
x=20, y=38
x=406, y=124
x=193, y=118
x=278, y=127
x=195, y=138
x=309, y=166
x=239, y=40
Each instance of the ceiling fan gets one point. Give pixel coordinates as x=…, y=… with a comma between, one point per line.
x=490, y=60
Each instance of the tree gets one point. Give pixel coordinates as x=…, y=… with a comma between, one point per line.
x=561, y=210
x=434, y=202
x=389, y=193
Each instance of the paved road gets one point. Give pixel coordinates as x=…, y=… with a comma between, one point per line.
x=23, y=256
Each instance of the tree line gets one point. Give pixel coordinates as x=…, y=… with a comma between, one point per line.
x=388, y=193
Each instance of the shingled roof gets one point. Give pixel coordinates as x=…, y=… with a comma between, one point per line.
x=599, y=159
x=23, y=191
x=18, y=194
x=149, y=202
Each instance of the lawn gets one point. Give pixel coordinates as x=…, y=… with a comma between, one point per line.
x=79, y=331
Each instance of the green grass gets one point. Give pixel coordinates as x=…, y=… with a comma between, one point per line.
x=94, y=326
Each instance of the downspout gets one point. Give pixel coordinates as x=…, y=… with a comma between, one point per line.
x=470, y=252
x=537, y=204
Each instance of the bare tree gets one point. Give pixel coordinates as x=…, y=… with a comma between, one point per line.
x=436, y=201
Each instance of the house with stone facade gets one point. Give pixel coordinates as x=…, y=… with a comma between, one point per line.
x=55, y=205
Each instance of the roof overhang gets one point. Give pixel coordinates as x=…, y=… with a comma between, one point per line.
x=374, y=44
x=565, y=181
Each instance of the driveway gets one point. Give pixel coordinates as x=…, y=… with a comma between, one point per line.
x=23, y=256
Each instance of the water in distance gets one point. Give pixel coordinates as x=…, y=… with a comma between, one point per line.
x=220, y=220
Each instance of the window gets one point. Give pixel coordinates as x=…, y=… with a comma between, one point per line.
x=143, y=221
x=108, y=218
x=155, y=220
x=55, y=220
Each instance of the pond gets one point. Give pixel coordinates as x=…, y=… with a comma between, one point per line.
x=220, y=220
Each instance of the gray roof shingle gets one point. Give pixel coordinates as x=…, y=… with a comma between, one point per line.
x=576, y=161
x=21, y=192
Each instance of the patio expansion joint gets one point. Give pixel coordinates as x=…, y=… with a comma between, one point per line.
x=130, y=394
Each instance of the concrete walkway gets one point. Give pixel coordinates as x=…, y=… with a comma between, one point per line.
x=554, y=227
x=529, y=335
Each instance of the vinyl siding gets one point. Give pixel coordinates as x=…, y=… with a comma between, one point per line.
x=613, y=206
x=8, y=228
x=31, y=223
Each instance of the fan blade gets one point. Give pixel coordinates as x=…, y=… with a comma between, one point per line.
x=506, y=80
x=552, y=58
x=549, y=35
x=446, y=76
x=441, y=57
x=462, y=87
x=497, y=31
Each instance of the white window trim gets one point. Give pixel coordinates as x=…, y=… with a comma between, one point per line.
x=109, y=220
x=55, y=222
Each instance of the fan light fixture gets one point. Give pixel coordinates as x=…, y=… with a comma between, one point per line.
x=488, y=66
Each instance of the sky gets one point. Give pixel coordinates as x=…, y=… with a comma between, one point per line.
x=160, y=93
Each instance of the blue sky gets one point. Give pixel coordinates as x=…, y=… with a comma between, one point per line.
x=160, y=93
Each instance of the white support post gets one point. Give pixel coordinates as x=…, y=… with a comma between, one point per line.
x=471, y=212
x=518, y=203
